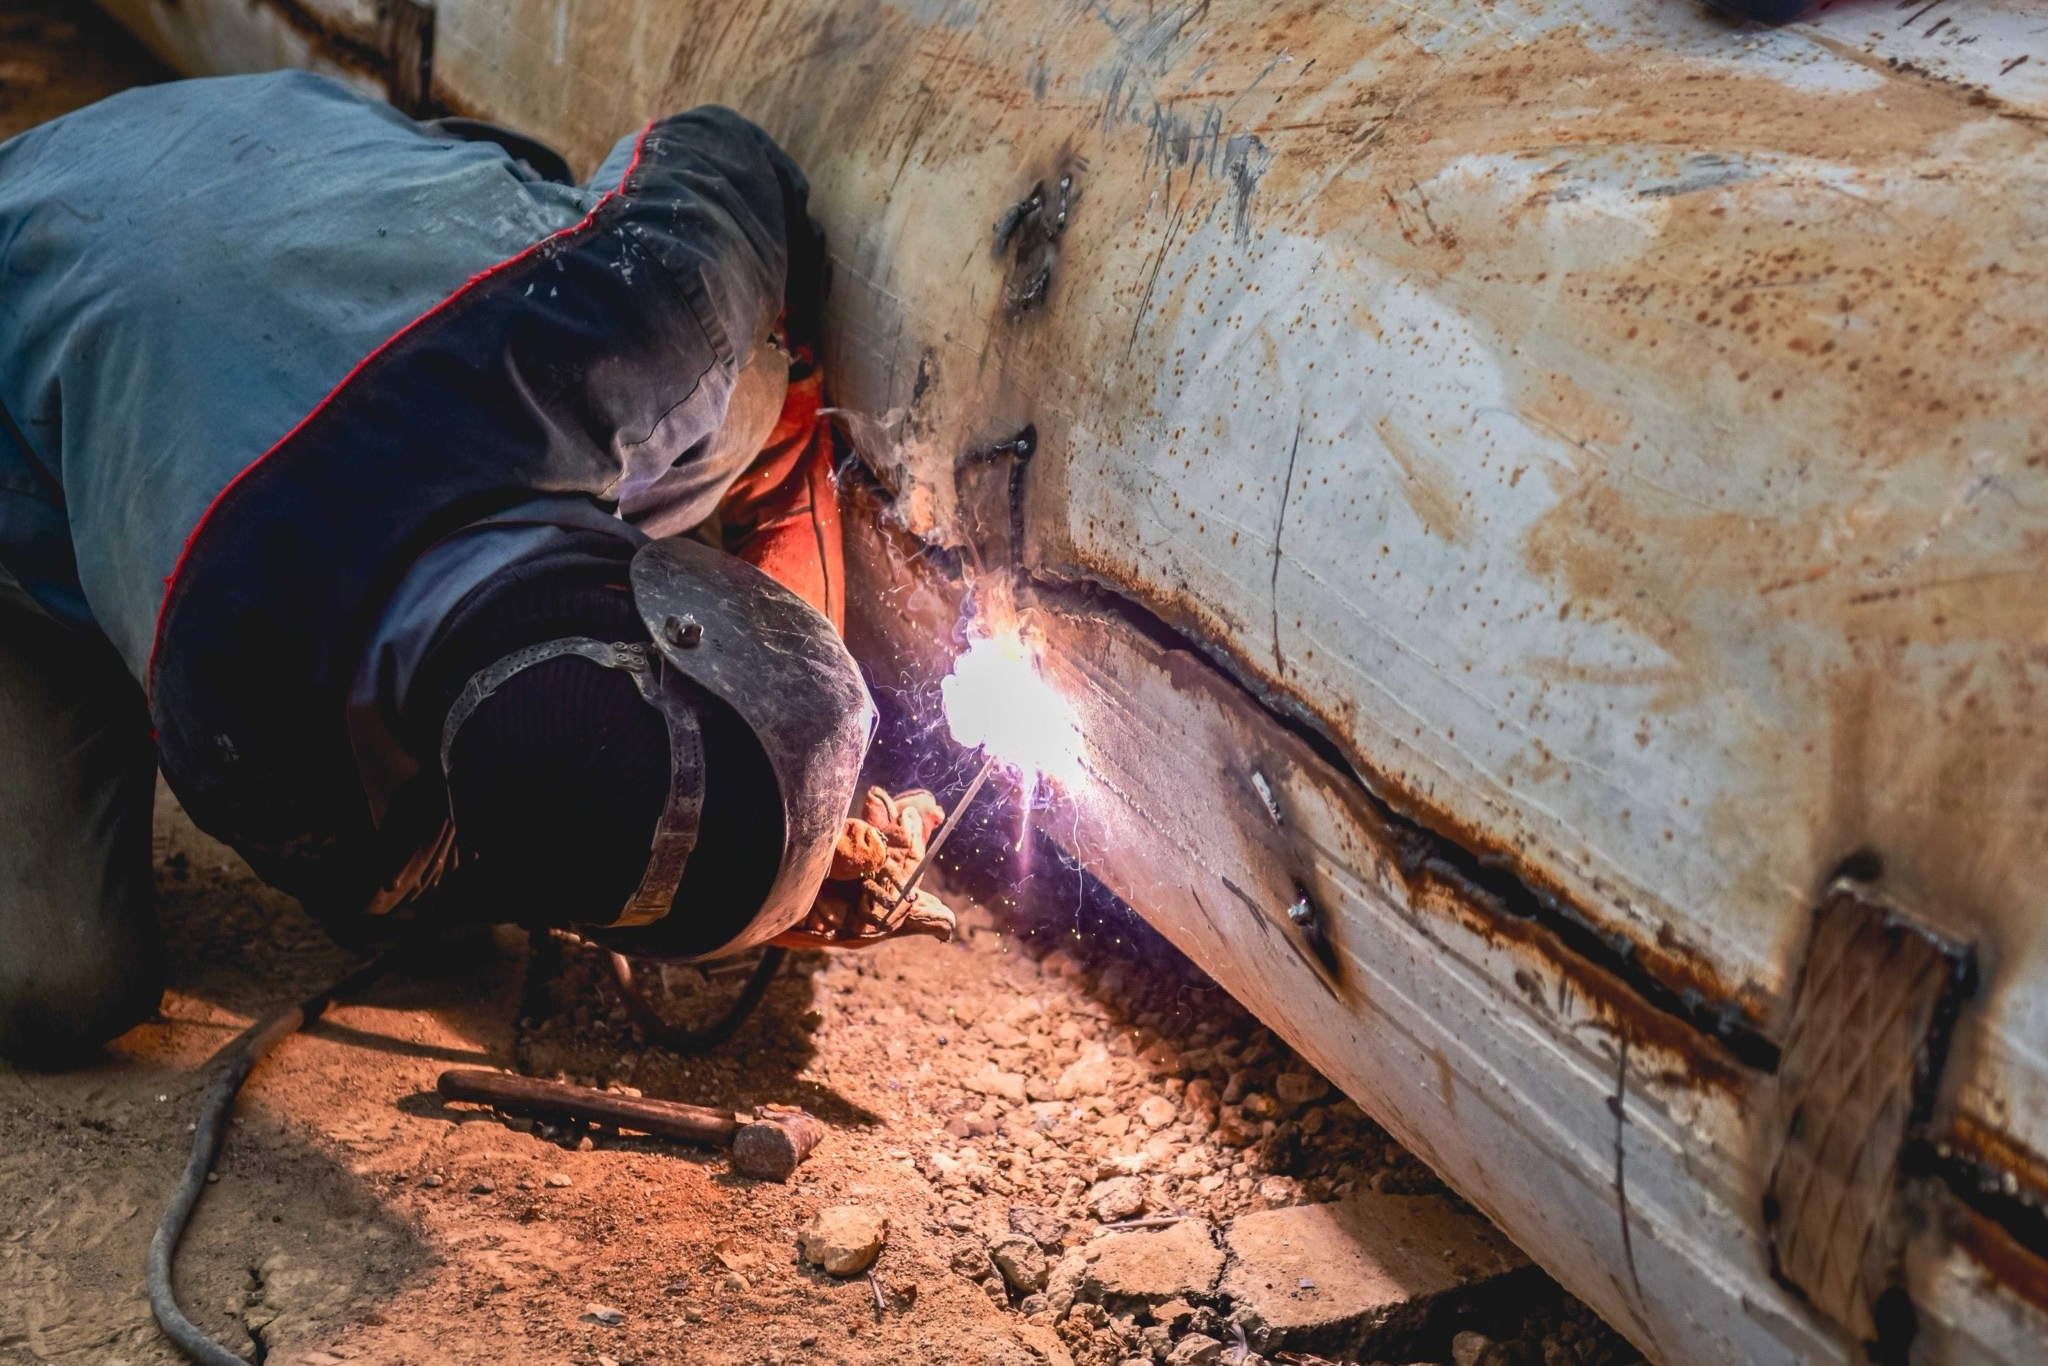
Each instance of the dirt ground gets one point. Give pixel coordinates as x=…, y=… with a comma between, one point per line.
x=358, y=1218
x=1057, y=1044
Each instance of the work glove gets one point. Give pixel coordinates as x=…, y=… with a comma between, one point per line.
x=861, y=902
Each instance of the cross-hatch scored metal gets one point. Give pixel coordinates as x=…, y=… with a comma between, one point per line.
x=1868, y=1036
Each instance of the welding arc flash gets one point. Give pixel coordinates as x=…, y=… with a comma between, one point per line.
x=997, y=699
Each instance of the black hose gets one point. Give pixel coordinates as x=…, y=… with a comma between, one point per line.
x=235, y=1062
x=674, y=1037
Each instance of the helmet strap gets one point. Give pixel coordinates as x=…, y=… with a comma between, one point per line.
x=675, y=834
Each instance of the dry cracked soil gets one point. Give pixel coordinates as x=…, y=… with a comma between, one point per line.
x=1057, y=1118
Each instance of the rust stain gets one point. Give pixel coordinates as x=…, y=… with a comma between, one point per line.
x=1429, y=488
x=1686, y=1056
x=2001, y=1153
x=1563, y=406
x=2001, y=1256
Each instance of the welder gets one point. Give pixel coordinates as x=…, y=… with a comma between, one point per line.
x=458, y=539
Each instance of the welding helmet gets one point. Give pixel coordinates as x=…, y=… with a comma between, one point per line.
x=734, y=658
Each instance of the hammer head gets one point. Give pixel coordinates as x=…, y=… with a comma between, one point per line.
x=775, y=1143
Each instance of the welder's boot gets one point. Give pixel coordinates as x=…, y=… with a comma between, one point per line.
x=80, y=956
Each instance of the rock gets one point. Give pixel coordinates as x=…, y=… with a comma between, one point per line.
x=971, y=1260
x=1475, y=1349
x=1157, y=1112
x=1064, y=1283
x=1258, y=1334
x=1021, y=1262
x=1202, y=1096
x=1178, y=1262
x=1003, y=1034
x=843, y=1239
x=1160, y=1058
x=1120, y=1197
x=1259, y=1105
x=559, y=1181
x=1343, y=1272
x=1059, y=963
x=1087, y=1075
x=482, y=1188
x=1277, y=1192
x=990, y=1082
x=603, y=1315
x=1043, y=1346
x=1031, y=1306
x=1232, y=1131
x=433, y=1179
x=1039, y=1224
x=1089, y=1316
x=1299, y=1088
x=1195, y=1350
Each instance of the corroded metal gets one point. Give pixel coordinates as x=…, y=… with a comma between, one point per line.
x=1582, y=454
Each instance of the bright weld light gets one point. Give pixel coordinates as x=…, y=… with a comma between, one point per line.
x=997, y=700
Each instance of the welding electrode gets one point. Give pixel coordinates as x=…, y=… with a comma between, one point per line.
x=931, y=850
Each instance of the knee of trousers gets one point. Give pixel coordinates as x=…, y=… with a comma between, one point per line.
x=57, y=1009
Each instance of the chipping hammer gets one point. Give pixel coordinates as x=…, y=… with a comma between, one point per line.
x=768, y=1147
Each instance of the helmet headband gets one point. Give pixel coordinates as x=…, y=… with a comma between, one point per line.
x=675, y=834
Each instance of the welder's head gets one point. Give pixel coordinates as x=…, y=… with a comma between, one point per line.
x=669, y=783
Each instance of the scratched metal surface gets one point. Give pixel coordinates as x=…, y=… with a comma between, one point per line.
x=1616, y=429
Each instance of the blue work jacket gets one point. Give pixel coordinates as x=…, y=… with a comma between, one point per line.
x=264, y=340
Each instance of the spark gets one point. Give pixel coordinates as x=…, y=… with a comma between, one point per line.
x=998, y=700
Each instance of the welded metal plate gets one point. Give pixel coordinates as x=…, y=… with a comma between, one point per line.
x=1870, y=1025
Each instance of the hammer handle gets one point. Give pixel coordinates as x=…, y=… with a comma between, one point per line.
x=553, y=1099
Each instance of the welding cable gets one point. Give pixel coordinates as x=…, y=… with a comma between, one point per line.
x=680, y=1040
x=233, y=1065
